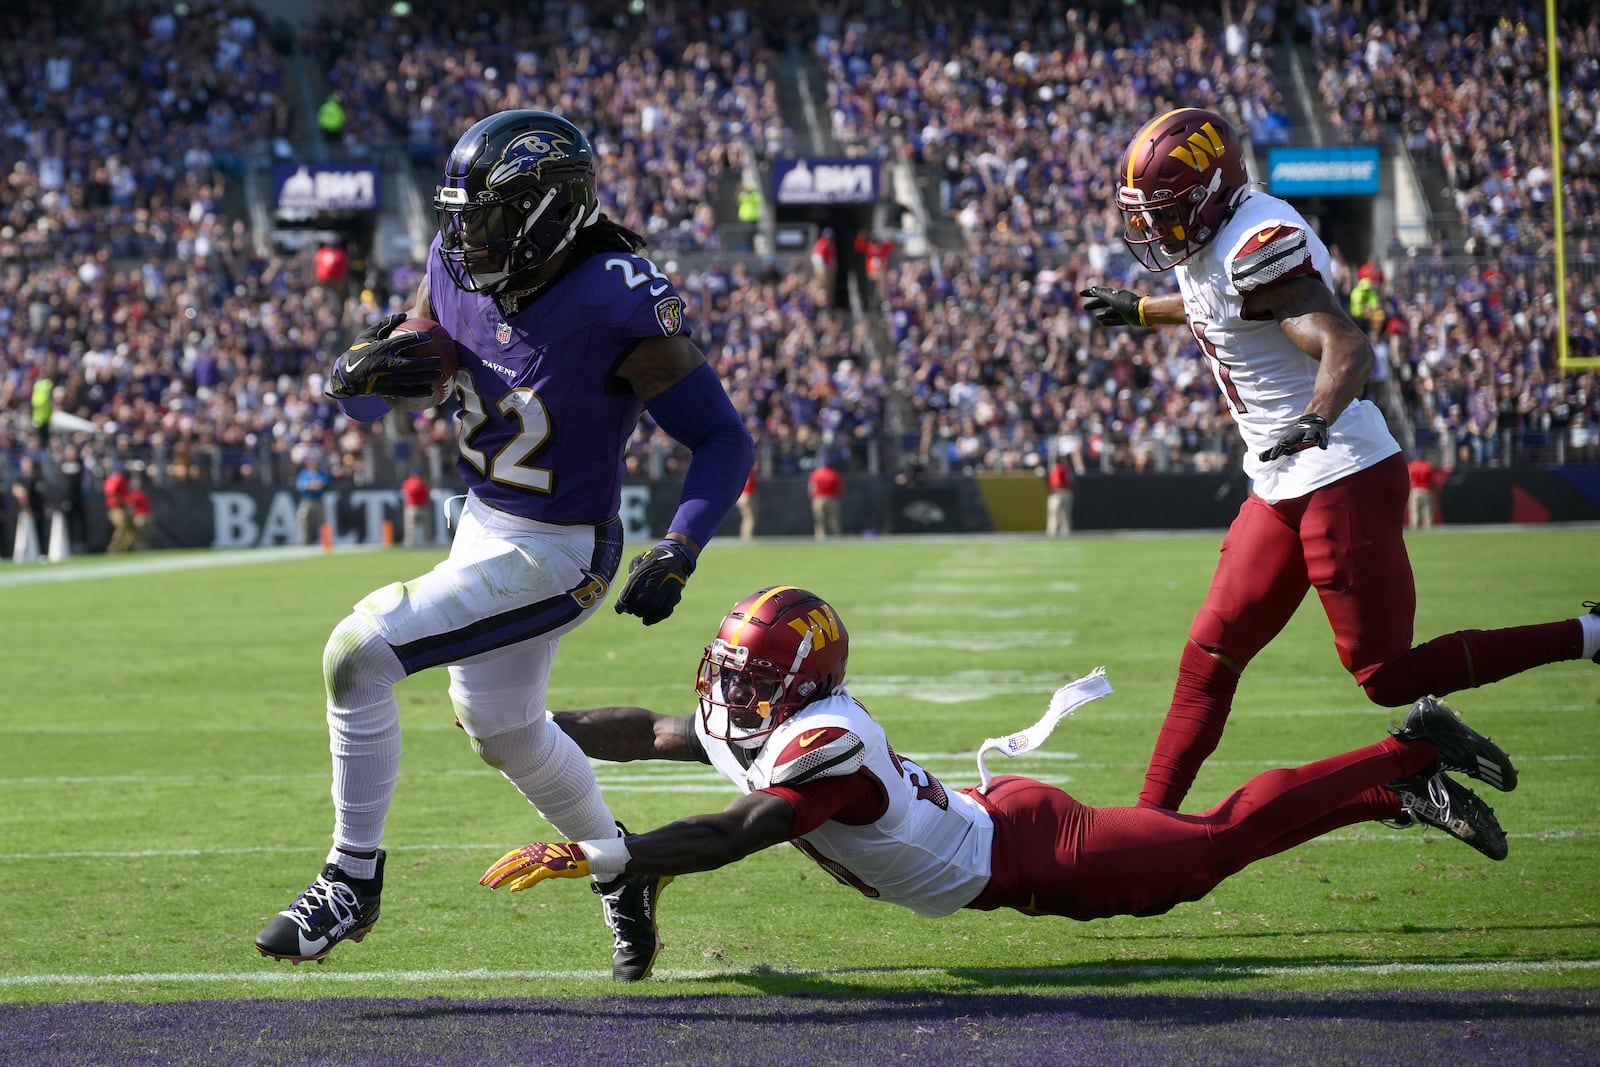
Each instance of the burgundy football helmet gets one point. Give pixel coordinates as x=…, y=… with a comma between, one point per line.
x=778, y=650
x=1179, y=181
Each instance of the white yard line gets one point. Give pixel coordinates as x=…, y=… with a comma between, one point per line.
x=319, y=975
x=1343, y=836
x=678, y=778
x=34, y=574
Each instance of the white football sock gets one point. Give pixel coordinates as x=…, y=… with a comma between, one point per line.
x=551, y=770
x=1591, y=635
x=361, y=670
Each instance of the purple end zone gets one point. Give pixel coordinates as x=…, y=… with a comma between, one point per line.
x=1417, y=1028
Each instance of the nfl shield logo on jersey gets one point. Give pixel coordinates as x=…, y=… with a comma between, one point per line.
x=502, y=333
x=669, y=313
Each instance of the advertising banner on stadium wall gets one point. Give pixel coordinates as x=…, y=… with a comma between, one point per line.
x=825, y=181
x=263, y=516
x=318, y=187
x=1323, y=171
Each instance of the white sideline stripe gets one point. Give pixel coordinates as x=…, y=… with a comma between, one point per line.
x=187, y=562
x=280, y=976
x=1344, y=835
x=924, y=689
x=676, y=780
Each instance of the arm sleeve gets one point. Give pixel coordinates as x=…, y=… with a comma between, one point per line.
x=697, y=413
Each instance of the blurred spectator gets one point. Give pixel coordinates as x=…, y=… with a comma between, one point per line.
x=875, y=251
x=139, y=510
x=30, y=502
x=43, y=407
x=1423, y=499
x=1058, y=502
x=826, y=485
x=751, y=204
x=417, y=498
x=824, y=258
x=1366, y=305
x=71, y=500
x=748, y=509
x=330, y=119
x=312, y=486
x=119, y=510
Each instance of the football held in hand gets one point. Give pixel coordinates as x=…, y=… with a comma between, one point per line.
x=440, y=344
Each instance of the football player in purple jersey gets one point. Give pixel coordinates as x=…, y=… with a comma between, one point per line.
x=564, y=335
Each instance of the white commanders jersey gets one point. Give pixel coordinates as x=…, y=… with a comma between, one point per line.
x=1264, y=376
x=929, y=848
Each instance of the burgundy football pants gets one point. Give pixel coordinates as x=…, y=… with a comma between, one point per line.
x=1055, y=856
x=1347, y=541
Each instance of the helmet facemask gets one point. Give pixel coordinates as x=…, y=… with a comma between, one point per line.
x=1166, y=230
x=777, y=651
x=1180, y=180
x=489, y=243
x=517, y=189
x=743, y=701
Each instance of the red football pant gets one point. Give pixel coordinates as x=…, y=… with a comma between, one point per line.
x=1055, y=856
x=1347, y=541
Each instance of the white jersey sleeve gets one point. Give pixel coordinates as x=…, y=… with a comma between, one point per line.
x=929, y=850
x=1265, y=378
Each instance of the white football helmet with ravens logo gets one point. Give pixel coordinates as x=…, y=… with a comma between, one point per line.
x=777, y=651
x=517, y=188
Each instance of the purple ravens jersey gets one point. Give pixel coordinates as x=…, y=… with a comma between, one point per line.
x=544, y=424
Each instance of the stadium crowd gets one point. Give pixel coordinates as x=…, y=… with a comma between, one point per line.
x=144, y=297
x=1473, y=333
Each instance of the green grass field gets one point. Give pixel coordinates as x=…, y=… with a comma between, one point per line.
x=165, y=782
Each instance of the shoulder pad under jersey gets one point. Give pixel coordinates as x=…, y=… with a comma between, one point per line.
x=818, y=752
x=1272, y=253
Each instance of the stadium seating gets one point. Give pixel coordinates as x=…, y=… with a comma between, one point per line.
x=144, y=294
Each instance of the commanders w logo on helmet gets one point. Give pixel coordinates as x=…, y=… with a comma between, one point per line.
x=821, y=623
x=1204, y=146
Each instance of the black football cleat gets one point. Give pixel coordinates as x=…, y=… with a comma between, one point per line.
x=1460, y=748
x=334, y=907
x=1437, y=800
x=629, y=901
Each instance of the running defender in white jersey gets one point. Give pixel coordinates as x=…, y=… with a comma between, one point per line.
x=1266, y=378
x=1327, y=509
x=814, y=769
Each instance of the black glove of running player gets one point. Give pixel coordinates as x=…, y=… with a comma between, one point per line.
x=655, y=582
x=1113, y=307
x=376, y=363
x=1308, y=431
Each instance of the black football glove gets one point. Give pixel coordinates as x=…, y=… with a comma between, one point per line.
x=376, y=363
x=1308, y=431
x=655, y=582
x=1113, y=307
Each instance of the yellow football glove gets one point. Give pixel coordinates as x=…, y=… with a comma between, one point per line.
x=532, y=864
